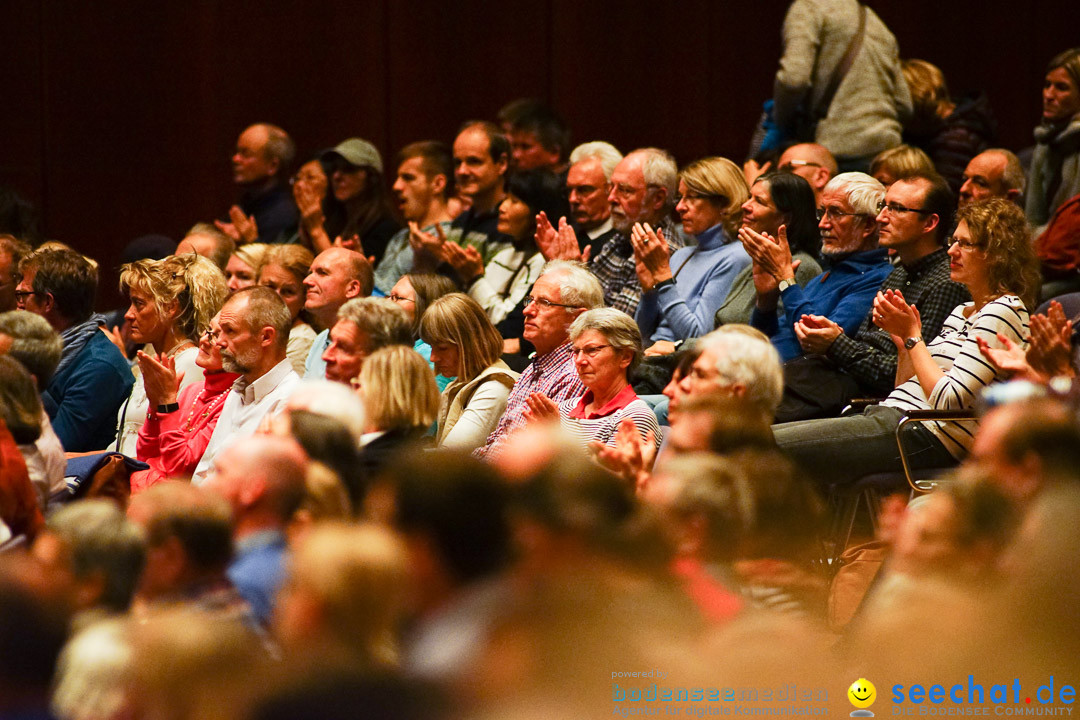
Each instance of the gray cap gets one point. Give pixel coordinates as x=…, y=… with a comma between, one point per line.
x=358, y=152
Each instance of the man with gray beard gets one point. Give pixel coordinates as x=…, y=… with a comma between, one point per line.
x=254, y=332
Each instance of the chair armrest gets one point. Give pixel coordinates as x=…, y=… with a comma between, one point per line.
x=912, y=416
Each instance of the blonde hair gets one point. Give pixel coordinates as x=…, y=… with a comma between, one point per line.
x=903, y=161
x=398, y=388
x=193, y=282
x=1000, y=228
x=252, y=255
x=459, y=320
x=325, y=496
x=929, y=94
x=724, y=182
x=296, y=259
x=358, y=573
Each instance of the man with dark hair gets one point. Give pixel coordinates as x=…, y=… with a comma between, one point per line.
x=424, y=179
x=12, y=251
x=93, y=379
x=266, y=212
x=262, y=478
x=337, y=275
x=539, y=140
x=254, y=332
x=913, y=220
x=481, y=161
x=452, y=512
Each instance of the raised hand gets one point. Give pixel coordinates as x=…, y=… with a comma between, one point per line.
x=1050, y=352
x=772, y=255
x=631, y=458
x=309, y=203
x=651, y=255
x=561, y=244
x=160, y=379
x=1009, y=358
x=752, y=171
x=242, y=229
x=816, y=333
x=540, y=408
x=895, y=316
x=466, y=261
x=116, y=337
x=428, y=248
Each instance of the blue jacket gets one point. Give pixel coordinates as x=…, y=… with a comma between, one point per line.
x=844, y=294
x=84, y=399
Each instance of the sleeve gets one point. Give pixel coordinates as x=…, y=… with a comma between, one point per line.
x=766, y=322
x=693, y=317
x=970, y=372
x=856, y=299
x=396, y=261
x=802, y=40
x=179, y=451
x=91, y=399
x=147, y=444
x=479, y=417
x=297, y=351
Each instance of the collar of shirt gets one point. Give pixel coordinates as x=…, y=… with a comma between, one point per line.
x=261, y=387
x=924, y=264
x=712, y=238
x=624, y=398
x=546, y=363
x=597, y=232
x=259, y=539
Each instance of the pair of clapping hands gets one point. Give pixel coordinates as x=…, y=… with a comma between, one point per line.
x=160, y=379
x=430, y=249
x=1049, y=351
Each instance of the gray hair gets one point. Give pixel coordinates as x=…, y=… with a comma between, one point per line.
x=381, y=320
x=577, y=286
x=280, y=147
x=34, y=343
x=265, y=308
x=618, y=328
x=863, y=192
x=1014, y=177
x=660, y=171
x=608, y=155
x=334, y=400
x=102, y=540
x=751, y=362
x=224, y=246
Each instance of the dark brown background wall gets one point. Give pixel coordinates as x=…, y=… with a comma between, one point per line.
x=120, y=117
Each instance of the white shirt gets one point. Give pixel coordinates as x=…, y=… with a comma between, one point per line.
x=133, y=412
x=597, y=232
x=244, y=409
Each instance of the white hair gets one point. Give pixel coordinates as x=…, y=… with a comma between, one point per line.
x=577, y=285
x=608, y=155
x=750, y=362
x=863, y=192
x=331, y=399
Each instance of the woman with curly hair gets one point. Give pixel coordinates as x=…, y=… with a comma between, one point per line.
x=172, y=301
x=991, y=254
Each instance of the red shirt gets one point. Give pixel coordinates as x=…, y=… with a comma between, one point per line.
x=624, y=398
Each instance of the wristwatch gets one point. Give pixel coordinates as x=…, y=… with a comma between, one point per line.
x=785, y=284
x=912, y=342
x=168, y=408
x=664, y=283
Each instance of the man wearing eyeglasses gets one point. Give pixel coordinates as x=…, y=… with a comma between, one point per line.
x=812, y=162
x=563, y=291
x=846, y=291
x=266, y=212
x=11, y=252
x=912, y=221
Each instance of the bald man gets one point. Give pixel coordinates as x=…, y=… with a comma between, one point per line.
x=262, y=478
x=266, y=212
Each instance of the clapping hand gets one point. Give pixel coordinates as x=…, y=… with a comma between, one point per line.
x=895, y=316
x=816, y=333
x=160, y=379
x=540, y=408
x=427, y=247
x=561, y=244
x=651, y=255
x=632, y=458
x=466, y=261
x=242, y=229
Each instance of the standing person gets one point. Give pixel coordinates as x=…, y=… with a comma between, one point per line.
x=283, y=270
x=180, y=422
x=172, y=301
x=991, y=254
x=870, y=100
x=1055, y=166
x=465, y=346
x=357, y=182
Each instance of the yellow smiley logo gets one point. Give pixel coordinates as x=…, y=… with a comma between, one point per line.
x=862, y=693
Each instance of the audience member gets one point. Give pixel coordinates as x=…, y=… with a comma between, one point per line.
x=900, y=162
x=337, y=275
x=414, y=293
x=93, y=378
x=253, y=332
x=12, y=251
x=812, y=162
x=206, y=240
x=266, y=212
x=849, y=241
x=21, y=411
x=283, y=270
x=993, y=173
x=539, y=140
x=320, y=211
x=364, y=325
x=242, y=270
x=465, y=346
x=1054, y=176
x=588, y=186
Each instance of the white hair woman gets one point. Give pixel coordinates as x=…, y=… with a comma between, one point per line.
x=606, y=347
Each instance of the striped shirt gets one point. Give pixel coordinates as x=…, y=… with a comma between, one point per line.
x=603, y=424
x=956, y=352
x=552, y=374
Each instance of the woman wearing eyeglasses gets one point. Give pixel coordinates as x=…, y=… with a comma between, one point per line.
x=172, y=301
x=465, y=347
x=283, y=270
x=992, y=256
x=606, y=347
x=414, y=293
x=181, y=421
x=683, y=290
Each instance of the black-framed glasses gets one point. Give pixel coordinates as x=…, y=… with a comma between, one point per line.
x=21, y=295
x=835, y=214
x=544, y=304
x=896, y=208
x=399, y=298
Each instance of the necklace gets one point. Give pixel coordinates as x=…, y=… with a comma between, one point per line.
x=185, y=343
x=210, y=408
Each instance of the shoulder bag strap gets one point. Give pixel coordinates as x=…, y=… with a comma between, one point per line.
x=842, y=69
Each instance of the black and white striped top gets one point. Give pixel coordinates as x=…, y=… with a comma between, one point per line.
x=967, y=372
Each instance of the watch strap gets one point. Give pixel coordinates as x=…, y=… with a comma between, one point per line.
x=168, y=408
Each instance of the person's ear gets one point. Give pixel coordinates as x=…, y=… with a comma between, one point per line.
x=660, y=196
x=503, y=163
x=353, y=289
x=438, y=184
x=932, y=222
x=267, y=336
x=821, y=178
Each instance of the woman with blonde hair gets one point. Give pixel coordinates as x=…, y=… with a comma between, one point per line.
x=900, y=162
x=683, y=290
x=401, y=401
x=172, y=302
x=242, y=270
x=466, y=346
x=283, y=270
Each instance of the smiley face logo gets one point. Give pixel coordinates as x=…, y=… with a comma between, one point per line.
x=862, y=693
